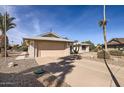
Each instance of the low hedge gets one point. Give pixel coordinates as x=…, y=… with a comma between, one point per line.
x=116, y=53
x=103, y=54
x=22, y=48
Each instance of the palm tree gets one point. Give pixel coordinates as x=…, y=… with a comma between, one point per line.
x=6, y=23
x=103, y=24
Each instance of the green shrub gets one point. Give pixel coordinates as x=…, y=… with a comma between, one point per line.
x=103, y=54
x=23, y=48
x=15, y=47
x=116, y=53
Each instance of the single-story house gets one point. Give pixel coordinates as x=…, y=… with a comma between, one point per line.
x=116, y=44
x=85, y=47
x=48, y=45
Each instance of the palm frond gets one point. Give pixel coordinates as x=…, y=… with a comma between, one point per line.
x=10, y=27
x=12, y=24
x=102, y=23
x=11, y=19
x=8, y=23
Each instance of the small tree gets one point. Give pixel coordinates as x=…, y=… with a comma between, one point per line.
x=99, y=47
x=75, y=48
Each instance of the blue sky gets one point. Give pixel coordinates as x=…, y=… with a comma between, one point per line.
x=75, y=22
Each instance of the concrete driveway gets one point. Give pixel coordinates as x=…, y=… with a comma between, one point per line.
x=82, y=72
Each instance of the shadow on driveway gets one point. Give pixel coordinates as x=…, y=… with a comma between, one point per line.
x=112, y=75
x=27, y=78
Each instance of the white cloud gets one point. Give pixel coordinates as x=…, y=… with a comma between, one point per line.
x=19, y=32
x=31, y=28
x=2, y=9
x=16, y=34
x=36, y=26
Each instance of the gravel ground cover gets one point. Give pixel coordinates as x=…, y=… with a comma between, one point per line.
x=118, y=61
x=21, y=75
x=15, y=76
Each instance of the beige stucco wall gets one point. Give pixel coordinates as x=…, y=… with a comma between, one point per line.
x=80, y=50
x=31, y=49
x=85, y=50
x=51, y=49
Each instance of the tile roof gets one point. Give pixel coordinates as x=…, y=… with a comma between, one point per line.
x=86, y=44
x=116, y=41
x=48, y=33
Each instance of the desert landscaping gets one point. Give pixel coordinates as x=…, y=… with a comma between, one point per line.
x=77, y=53
x=74, y=70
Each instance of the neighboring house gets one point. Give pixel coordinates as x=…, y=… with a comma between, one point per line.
x=116, y=44
x=85, y=47
x=48, y=45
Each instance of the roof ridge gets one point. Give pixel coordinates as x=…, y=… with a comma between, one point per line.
x=46, y=33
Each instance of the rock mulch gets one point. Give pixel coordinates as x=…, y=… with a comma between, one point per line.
x=15, y=76
x=21, y=75
x=115, y=60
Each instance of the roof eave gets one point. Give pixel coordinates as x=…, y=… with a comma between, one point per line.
x=48, y=40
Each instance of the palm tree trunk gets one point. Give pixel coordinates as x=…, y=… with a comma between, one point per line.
x=3, y=45
x=105, y=40
x=104, y=27
x=4, y=53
